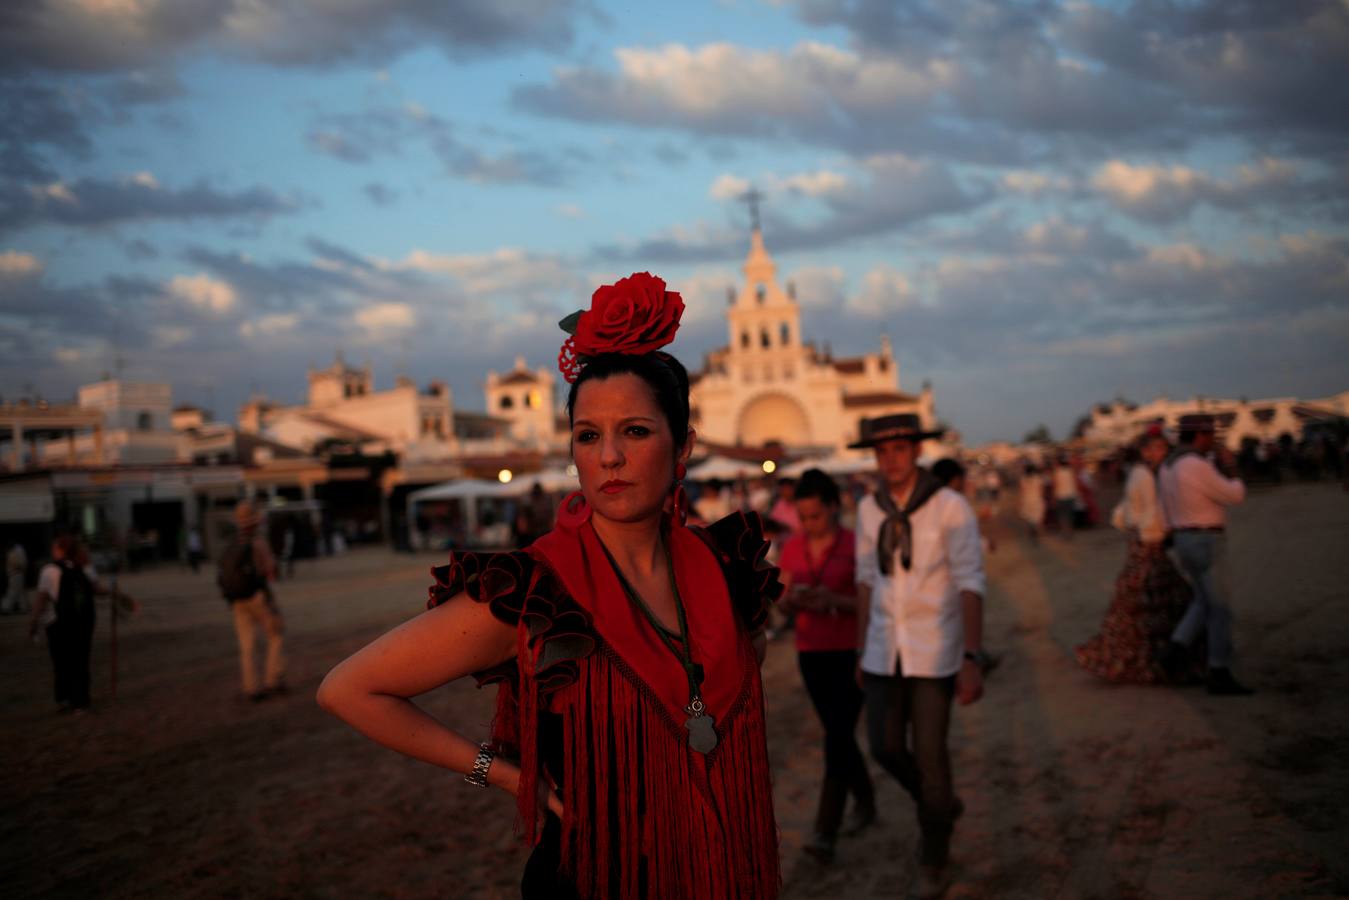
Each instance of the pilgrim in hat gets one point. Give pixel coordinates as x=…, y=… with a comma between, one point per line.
x=897, y=425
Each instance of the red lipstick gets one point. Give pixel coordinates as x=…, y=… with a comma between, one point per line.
x=614, y=486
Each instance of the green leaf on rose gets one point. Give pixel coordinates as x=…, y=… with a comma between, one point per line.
x=569, y=323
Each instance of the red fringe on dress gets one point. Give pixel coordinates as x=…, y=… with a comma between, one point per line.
x=699, y=822
x=702, y=824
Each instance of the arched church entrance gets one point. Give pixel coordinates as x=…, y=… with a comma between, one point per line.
x=773, y=417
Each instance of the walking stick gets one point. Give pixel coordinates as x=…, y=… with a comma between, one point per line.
x=113, y=654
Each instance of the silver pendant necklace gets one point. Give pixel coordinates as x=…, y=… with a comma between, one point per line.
x=700, y=724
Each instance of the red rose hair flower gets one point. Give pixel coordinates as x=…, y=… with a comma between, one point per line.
x=635, y=315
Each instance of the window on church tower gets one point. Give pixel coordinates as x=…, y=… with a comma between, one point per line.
x=786, y=332
x=507, y=402
x=764, y=340
x=760, y=293
x=744, y=340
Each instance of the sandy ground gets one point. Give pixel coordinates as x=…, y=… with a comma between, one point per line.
x=1074, y=788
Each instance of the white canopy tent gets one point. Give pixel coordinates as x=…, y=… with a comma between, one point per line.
x=470, y=492
x=724, y=468
x=834, y=465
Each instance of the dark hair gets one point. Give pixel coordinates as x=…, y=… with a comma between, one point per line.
x=947, y=470
x=815, y=483
x=666, y=376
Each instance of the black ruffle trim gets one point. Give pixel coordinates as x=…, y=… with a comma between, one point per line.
x=741, y=548
x=517, y=588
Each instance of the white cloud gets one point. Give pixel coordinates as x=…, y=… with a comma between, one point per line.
x=17, y=264
x=884, y=291
x=814, y=184
x=386, y=316
x=820, y=287
x=506, y=271
x=1026, y=181
x=269, y=325
x=1130, y=185
x=68, y=356
x=1164, y=193
x=145, y=180
x=569, y=211
x=171, y=335
x=728, y=187
x=205, y=293
x=56, y=190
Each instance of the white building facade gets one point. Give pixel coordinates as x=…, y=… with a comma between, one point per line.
x=768, y=385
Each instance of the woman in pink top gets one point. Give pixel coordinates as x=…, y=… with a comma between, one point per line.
x=818, y=566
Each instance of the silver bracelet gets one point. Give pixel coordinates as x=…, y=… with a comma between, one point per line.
x=481, y=764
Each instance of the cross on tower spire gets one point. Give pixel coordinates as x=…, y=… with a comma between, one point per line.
x=752, y=197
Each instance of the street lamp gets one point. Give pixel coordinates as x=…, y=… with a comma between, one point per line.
x=505, y=476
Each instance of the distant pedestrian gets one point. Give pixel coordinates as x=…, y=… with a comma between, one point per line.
x=195, y=552
x=16, y=572
x=65, y=609
x=1195, y=495
x=1150, y=595
x=950, y=473
x=287, y=567
x=714, y=501
x=1066, y=496
x=783, y=511
x=1032, y=501
x=247, y=569
x=818, y=568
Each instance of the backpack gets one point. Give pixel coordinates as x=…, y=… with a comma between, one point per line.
x=75, y=599
x=239, y=578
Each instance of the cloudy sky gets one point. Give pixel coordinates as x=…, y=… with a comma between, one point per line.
x=1042, y=204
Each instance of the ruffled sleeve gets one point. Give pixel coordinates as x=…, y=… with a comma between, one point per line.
x=741, y=548
x=525, y=594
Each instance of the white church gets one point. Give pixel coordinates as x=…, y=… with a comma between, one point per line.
x=767, y=386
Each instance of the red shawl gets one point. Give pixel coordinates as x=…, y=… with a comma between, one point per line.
x=632, y=788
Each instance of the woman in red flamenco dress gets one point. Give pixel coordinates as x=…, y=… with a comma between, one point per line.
x=626, y=647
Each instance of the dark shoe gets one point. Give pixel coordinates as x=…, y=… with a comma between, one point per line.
x=258, y=696
x=932, y=882
x=1174, y=659
x=860, y=820
x=1221, y=684
x=820, y=848
x=279, y=691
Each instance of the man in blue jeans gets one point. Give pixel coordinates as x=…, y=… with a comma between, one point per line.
x=1195, y=495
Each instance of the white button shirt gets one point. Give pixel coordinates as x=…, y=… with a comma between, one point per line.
x=916, y=614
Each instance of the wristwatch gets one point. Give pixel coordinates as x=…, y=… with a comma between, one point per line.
x=978, y=657
x=481, y=764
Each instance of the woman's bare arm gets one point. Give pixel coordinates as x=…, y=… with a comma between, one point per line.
x=370, y=690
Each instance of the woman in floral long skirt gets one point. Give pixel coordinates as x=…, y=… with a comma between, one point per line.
x=1150, y=593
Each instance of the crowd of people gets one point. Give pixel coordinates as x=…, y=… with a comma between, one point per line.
x=626, y=639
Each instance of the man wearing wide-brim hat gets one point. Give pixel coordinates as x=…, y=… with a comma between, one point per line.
x=247, y=568
x=1194, y=496
x=920, y=577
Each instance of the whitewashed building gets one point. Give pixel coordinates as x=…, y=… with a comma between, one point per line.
x=770, y=385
